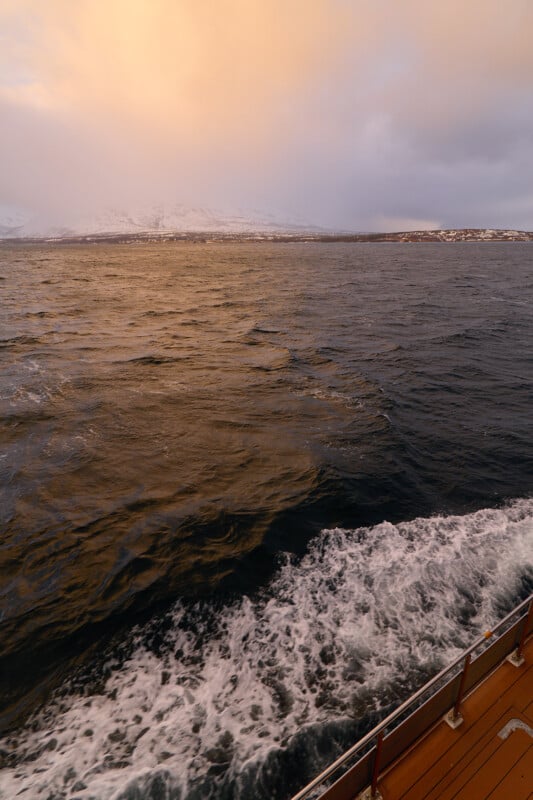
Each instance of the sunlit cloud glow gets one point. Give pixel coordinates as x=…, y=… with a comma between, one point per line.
x=347, y=114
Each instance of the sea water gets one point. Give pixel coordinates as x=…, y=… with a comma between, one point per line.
x=253, y=495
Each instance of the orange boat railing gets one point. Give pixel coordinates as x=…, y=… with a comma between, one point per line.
x=360, y=766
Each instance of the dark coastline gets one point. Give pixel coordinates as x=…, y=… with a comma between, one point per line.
x=202, y=237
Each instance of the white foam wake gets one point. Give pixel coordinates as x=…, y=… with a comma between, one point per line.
x=364, y=617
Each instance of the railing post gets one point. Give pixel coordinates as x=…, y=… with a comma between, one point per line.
x=454, y=718
x=461, y=691
x=375, y=771
x=517, y=658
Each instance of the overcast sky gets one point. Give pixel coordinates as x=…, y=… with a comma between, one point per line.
x=354, y=114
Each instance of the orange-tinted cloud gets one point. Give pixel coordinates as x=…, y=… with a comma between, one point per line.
x=186, y=73
x=321, y=103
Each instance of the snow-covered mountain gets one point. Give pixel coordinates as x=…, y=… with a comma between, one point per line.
x=156, y=219
x=168, y=221
x=11, y=220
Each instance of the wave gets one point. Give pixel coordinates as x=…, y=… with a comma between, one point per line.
x=249, y=698
x=164, y=313
x=152, y=359
x=14, y=341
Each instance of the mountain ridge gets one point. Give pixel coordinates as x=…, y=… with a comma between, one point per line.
x=405, y=237
x=157, y=220
x=179, y=222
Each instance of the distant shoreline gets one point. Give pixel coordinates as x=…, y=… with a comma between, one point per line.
x=204, y=237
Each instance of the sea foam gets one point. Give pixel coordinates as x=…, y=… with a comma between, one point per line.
x=251, y=698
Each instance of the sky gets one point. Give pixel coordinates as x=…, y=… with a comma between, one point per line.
x=348, y=114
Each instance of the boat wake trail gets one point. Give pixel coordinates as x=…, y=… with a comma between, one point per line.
x=251, y=698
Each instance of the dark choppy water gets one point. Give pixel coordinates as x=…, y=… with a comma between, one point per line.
x=176, y=421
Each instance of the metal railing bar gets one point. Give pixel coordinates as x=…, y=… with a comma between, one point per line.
x=405, y=705
x=521, y=643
